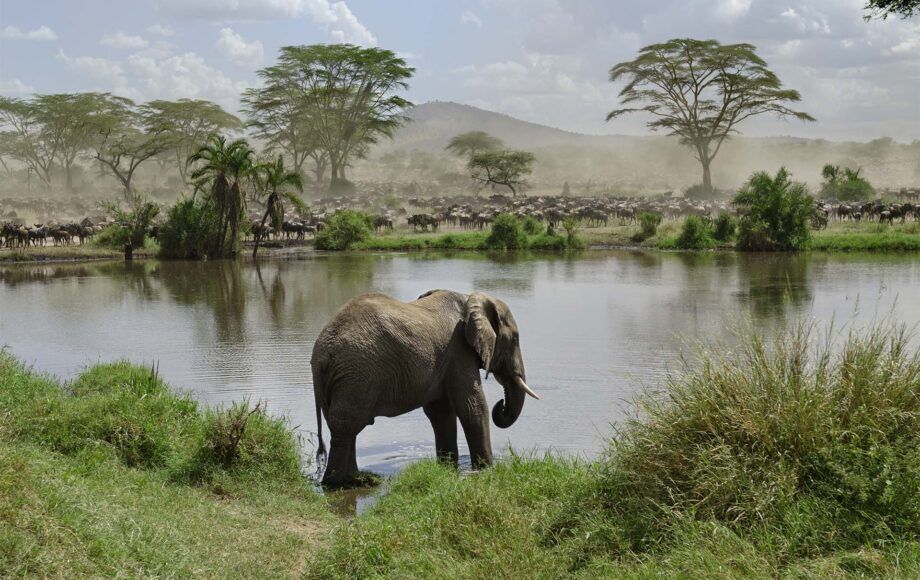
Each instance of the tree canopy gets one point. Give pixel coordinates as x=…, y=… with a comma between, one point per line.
x=341, y=95
x=505, y=167
x=885, y=8
x=699, y=91
x=470, y=143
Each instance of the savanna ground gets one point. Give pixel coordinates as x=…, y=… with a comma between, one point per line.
x=788, y=456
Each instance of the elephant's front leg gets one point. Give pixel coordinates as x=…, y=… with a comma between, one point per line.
x=444, y=422
x=473, y=411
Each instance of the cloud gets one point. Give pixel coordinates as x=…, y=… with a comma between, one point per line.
x=40, y=33
x=469, y=17
x=122, y=40
x=235, y=48
x=15, y=87
x=160, y=30
x=335, y=17
x=91, y=66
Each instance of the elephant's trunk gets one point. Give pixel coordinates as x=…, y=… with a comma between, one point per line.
x=506, y=411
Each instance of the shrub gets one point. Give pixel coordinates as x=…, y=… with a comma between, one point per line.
x=699, y=192
x=344, y=230
x=190, y=232
x=532, y=226
x=725, y=227
x=113, y=236
x=845, y=184
x=131, y=226
x=648, y=224
x=507, y=233
x=695, y=234
x=777, y=213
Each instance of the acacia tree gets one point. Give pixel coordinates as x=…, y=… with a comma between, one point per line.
x=27, y=138
x=344, y=94
x=276, y=117
x=186, y=124
x=699, y=91
x=123, y=137
x=885, y=8
x=507, y=168
x=470, y=143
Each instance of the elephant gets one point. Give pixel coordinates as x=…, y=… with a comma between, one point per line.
x=379, y=356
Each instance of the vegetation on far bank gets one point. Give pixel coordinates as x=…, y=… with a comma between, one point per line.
x=776, y=457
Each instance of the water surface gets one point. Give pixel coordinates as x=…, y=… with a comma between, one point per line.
x=595, y=328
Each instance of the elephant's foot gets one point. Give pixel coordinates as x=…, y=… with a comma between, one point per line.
x=342, y=464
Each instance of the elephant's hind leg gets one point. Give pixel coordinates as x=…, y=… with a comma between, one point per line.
x=444, y=422
x=342, y=463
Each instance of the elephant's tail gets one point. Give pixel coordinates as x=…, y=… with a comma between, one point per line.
x=318, y=389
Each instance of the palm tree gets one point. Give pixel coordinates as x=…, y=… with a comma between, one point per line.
x=272, y=178
x=224, y=165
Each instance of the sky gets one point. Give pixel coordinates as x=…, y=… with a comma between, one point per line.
x=545, y=61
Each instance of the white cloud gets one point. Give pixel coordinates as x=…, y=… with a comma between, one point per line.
x=91, y=66
x=469, y=17
x=15, y=87
x=122, y=40
x=183, y=76
x=40, y=33
x=336, y=17
x=732, y=9
x=235, y=48
x=160, y=30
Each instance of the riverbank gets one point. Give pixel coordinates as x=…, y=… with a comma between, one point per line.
x=838, y=237
x=772, y=461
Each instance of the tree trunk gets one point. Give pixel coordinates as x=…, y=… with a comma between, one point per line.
x=69, y=170
x=258, y=237
x=707, y=177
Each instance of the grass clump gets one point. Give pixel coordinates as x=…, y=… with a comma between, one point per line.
x=883, y=241
x=345, y=230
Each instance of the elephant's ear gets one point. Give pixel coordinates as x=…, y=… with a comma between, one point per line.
x=480, y=332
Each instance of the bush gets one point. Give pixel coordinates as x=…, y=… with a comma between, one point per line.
x=549, y=241
x=113, y=236
x=532, y=226
x=695, y=234
x=845, y=184
x=190, y=232
x=777, y=213
x=131, y=226
x=699, y=192
x=648, y=224
x=344, y=230
x=507, y=233
x=725, y=227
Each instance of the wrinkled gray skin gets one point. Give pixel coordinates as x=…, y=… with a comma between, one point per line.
x=382, y=357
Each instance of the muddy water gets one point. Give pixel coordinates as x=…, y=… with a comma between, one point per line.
x=595, y=329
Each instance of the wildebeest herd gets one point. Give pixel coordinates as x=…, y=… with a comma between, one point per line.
x=465, y=212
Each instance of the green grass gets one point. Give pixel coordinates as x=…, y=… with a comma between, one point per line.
x=772, y=459
x=890, y=241
x=796, y=455
x=114, y=475
x=67, y=254
x=458, y=241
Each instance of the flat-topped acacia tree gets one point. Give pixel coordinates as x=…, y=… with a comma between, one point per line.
x=885, y=8
x=700, y=90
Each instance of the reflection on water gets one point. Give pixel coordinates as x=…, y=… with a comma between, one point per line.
x=595, y=327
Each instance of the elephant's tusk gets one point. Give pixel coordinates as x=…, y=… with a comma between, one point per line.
x=527, y=389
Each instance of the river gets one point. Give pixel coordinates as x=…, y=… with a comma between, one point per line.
x=596, y=328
